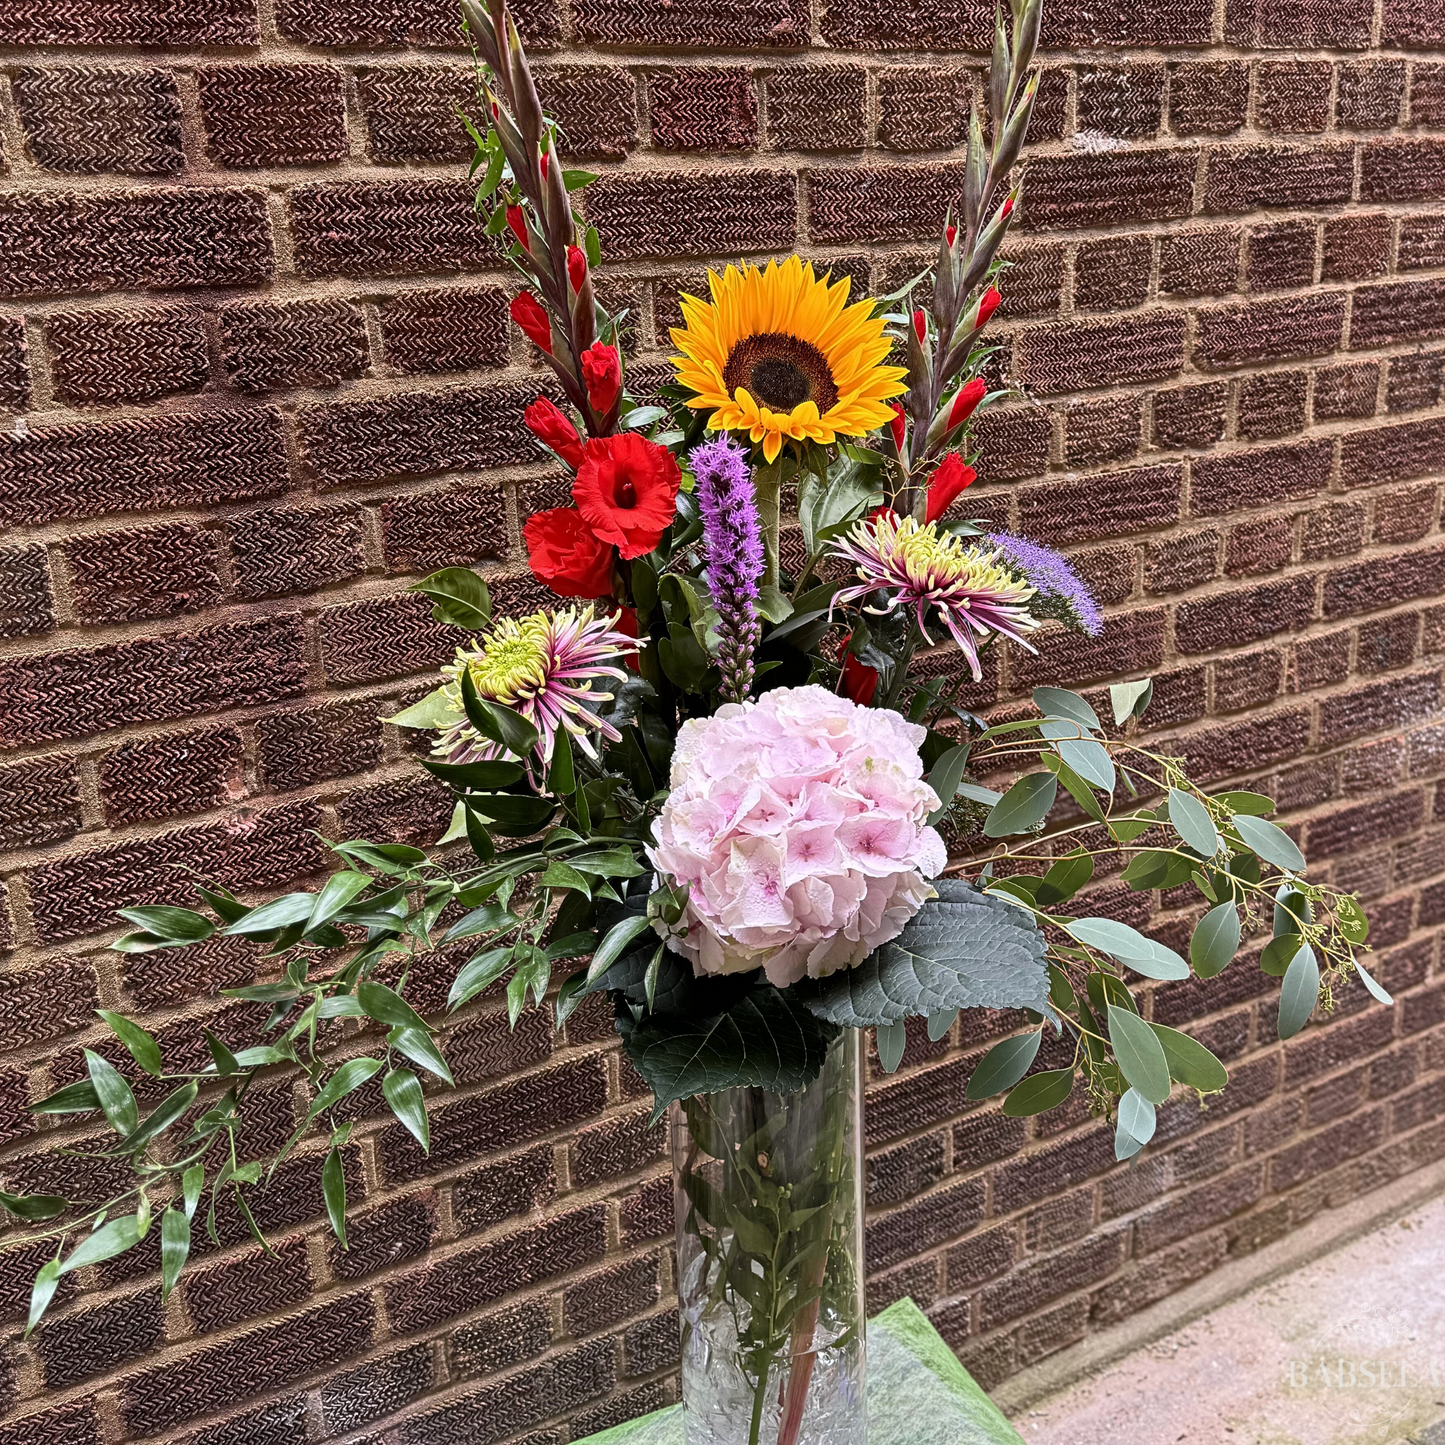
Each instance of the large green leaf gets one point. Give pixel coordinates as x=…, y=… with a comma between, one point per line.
x=458, y=596
x=1140, y=1054
x=1024, y=807
x=963, y=949
x=765, y=1039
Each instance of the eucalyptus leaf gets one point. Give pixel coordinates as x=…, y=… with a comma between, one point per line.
x=1299, y=992
x=1129, y=699
x=1004, y=1065
x=891, y=1040
x=1038, y=1093
x=1140, y=1054
x=1215, y=940
x=1060, y=702
x=1024, y=807
x=1130, y=947
x=944, y=778
x=1190, y=1063
x=1136, y=1116
x=1272, y=844
x=1192, y=822
x=1375, y=991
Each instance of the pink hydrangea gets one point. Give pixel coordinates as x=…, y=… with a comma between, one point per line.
x=798, y=822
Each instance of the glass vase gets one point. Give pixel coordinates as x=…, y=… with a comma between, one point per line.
x=770, y=1261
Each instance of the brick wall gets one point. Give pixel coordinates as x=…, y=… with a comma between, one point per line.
x=256, y=376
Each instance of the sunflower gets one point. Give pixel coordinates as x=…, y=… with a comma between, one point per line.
x=779, y=353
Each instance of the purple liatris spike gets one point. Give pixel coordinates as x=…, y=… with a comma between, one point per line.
x=732, y=540
x=1060, y=592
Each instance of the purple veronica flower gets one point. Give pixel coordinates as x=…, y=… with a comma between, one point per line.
x=732, y=540
x=1060, y=592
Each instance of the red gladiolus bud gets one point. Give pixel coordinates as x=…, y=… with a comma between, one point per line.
x=920, y=326
x=1008, y=207
x=951, y=235
x=544, y=165
x=948, y=483
x=518, y=224
x=576, y=267
x=551, y=427
x=860, y=681
x=531, y=316
x=987, y=305
x=602, y=373
x=898, y=426
x=968, y=397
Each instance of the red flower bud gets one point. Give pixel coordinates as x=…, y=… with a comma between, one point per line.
x=920, y=326
x=898, y=426
x=951, y=235
x=860, y=681
x=1008, y=207
x=576, y=267
x=552, y=428
x=987, y=305
x=602, y=373
x=948, y=482
x=518, y=224
x=531, y=316
x=965, y=400
x=544, y=165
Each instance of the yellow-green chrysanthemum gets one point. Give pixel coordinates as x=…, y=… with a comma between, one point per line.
x=780, y=354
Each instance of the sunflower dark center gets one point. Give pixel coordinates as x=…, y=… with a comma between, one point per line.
x=780, y=372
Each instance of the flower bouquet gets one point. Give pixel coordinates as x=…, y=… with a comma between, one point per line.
x=711, y=785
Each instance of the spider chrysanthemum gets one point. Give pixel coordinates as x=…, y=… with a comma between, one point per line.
x=780, y=354
x=974, y=595
x=544, y=667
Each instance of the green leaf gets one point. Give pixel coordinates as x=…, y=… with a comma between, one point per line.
x=562, y=776
x=1064, y=879
x=42, y=1292
x=1279, y=953
x=435, y=710
x=963, y=949
x=458, y=596
x=1130, y=947
x=1215, y=940
x=116, y=1099
x=569, y=995
x=388, y=1007
x=192, y=1182
x=1350, y=917
x=1375, y=991
x=765, y=1039
x=1089, y=759
x=496, y=722
x=1004, y=1065
x=1060, y=702
x=1024, y=807
x=337, y=892
x=142, y=1047
x=1140, y=1054
x=1192, y=822
x=1292, y=910
x=33, y=1207
x=402, y=1090
x=1135, y=1124
x=480, y=971
x=1074, y=785
x=575, y=180
x=420, y=1048
x=1271, y=844
x=944, y=778
x=489, y=918
x=939, y=1023
x=615, y=942
x=351, y=1075
x=1254, y=804
x=563, y=875
x=333, y=1190
x=773, y=604
x=1129, y=699
x=175, y=1246
x=1039, y=1092
x=1190, y=1063
x=175, y=925
x=891, y=1040
x=1299, y=992
x=485, y=776
x=592, y=244
x=77, y=1098
x=277, y=914
x=107, y=1242
x=171, y=1108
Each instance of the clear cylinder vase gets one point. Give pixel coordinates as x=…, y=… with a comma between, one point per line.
x=770, y=1261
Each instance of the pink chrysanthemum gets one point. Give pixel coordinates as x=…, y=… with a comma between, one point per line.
x=917, y=567
x=543, y=667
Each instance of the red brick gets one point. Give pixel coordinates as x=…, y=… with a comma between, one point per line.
x=1271, y=404
x=272, y=115
x=518, y=1185
x=1199, y=1209
x=131, y=22
x=79, y=893
x=1132, y=642
x=1357, y=247
x=1422, y=243
x=50, y=696
x=1244, y=615
x=923, y=1225
x=1249, y=681
x=247, y=1285
x=1298, y=24
x=92, y=1341
x=703, y=109
x=898, y=1174
x=455, y=528
x=268, y=345
x=280, y=550
x=1112, y=274
x=699, y=213
x=383, y=637
x=817, y=107
x=1208, y=98
x=411, y=112
x=1404, y=516
x=1102, y=353
x=1046, y=1279
x=1391, y=453
x=39, y=802
x=307, y=745
x=1121, y=100
x=1412, y=23
x=47, y=1001
x=1281, y=256
x=452, y=330
x=1337, y=530
x=1402, y=170
x=1071, y=23
x=1012, y=442
x=1384, y=582
x=26, y=605
x=1117, y=188
x=1258, y=477
x=163, y=239
x=1293, y=96
x=1178, y=563
x=377, y=1388
x=1245, y=178
x=1346, y=391
x=1397, y=311
x=176, y=773
x=1101, y=431
x=1197, y=262
x=1190, y=416
x=1379, y=707
x=110, y=356
x=1427, y=94
x=1271, y=330
x=595, y=106
x=692, y=23
x=1262, y=546
x=143, y=572
x=616, y=1147
x=94, y=120
x=1110, y=505
x=1226, y=751
x=1414, y=382
x=1370, y=93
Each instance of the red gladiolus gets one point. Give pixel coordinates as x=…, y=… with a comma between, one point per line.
x=602, y=373
x=518, y=224
x=1008, y=207
x=567, y=555
x=552, y=428
x=531, y=316
x=576, y=267
x=898, y=426
x=987, y=305
x=626, y=488
x=920, y=326
x=860, y=681
x=544, y=165
x=951, y=235
x=947, y=485
x=967, y=398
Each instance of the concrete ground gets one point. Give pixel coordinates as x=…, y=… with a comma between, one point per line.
x=1346, y=1349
